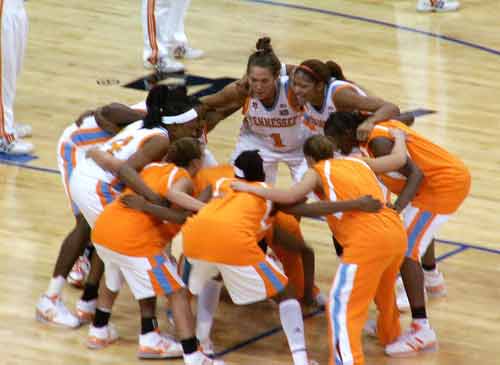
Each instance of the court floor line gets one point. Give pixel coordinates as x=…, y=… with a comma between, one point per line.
x=443, y=37
x=461, y=248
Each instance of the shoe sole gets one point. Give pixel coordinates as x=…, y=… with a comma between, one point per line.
x=433, y=347
x=150, y=356
x=43, y=319
x=98, y=345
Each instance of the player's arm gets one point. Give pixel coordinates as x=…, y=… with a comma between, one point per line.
x=414, y=176
x=212, y=117
x=283, y=196
x=395, y=159
x=153, y=150
x=365, y=203
x=231, y=95
x=180, y=194
x=347, y=99
x=113, y=117
x=161, y=212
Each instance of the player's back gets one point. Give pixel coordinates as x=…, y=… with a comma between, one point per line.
x=132, y=232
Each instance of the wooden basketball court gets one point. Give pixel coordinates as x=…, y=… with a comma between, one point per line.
x=447, y=63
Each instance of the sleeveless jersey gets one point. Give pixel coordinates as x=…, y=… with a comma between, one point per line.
x=134, y=233
x=228, y=228
x=278, y=128
x=347, y=179
x=315, y=119
x=122, y=146
x=446, y=180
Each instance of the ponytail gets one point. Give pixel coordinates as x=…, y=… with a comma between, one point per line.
x=264, y=57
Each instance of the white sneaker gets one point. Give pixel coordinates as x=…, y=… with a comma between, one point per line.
x=187, y=52
x=417, y=339
x=198, y=358
x=99, y=338
x=437, y=5
x=53, y=310
x=22, y=130
x=401, y=298
x=208, y=348
x=79, y=272
x=85, y=310
x=152, y=345
x=434, y=283
x=16, y=147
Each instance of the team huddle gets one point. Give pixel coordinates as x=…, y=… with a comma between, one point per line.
x=136, y=177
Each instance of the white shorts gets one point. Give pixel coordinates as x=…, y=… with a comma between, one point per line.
x=245, y=284
x=146, y=276
x=208, y=158
x=68, y=156
x=90, y=195
x=294, y=159
x=421, y=227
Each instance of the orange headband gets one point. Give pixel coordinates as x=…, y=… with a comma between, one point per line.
x=310, y=72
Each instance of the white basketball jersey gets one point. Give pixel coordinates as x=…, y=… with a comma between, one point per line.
x=278, y=128
x=315, y=119
x=122, y=146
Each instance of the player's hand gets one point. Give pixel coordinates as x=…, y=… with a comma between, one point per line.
x=368, y=204
x=85, y=114
x=364, y=130
x=241, y=186
x=136, y=202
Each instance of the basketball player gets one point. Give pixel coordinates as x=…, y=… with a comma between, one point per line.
x=373, y=243
x=170, y=116
x=272, y=115
x=90, y=130
x=430, y=187
x=131, y=245
x=322, y=88
x=164, y=35
x=12, y=46
x=437, y=5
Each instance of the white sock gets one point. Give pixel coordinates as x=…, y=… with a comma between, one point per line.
x=293, y=325
x=423, y=322
x=208, y=301
x=55, y=286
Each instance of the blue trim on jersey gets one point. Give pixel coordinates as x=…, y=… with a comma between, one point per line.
x=84, y=137
x=106, y=192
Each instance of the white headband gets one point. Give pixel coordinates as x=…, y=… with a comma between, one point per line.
x=181, y=118
x=238, y=172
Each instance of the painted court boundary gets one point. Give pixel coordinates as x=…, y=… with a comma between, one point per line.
x=378, y=22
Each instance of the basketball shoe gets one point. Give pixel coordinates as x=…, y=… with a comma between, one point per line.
x=53, y=310
x=153, y=345
x=166, y=65
x=99, y=338
x=417, y=339
x=79, y=272
x=187, y=52
x=437, y=5
x=434, y=283
x=16, y=147
x=85, y=310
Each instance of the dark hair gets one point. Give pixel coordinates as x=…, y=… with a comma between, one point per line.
x=167, y=100
x=321, y=71
x=264, y=57
x=319, y=148
x=182, y=151
x=252, y=165
x=339, y=123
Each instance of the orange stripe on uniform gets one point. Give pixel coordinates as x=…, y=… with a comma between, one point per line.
x=153, y=59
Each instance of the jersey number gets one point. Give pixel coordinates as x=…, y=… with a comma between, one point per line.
x=277, y=140
x=117, y=145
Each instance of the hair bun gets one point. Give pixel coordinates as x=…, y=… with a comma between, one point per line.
x=264, y=44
